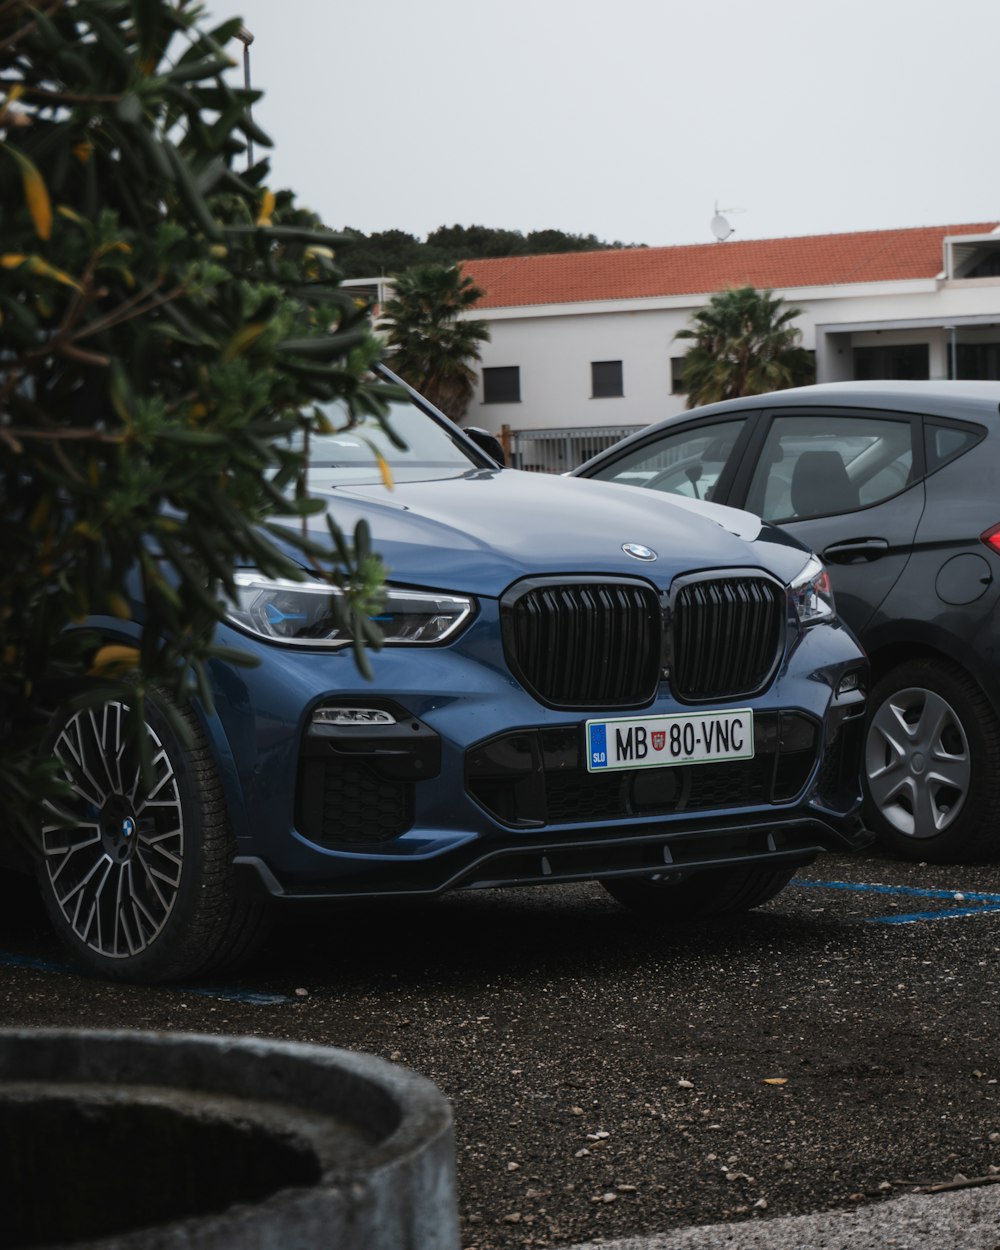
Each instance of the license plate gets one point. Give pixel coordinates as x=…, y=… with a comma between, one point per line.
x=666, y=741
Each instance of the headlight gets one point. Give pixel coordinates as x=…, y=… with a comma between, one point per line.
x=306, y=613
x=812, y=594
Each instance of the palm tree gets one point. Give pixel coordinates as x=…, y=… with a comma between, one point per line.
x=744, y=343
x=433, y=343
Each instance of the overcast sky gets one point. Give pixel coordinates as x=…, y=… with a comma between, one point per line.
x=630, y=119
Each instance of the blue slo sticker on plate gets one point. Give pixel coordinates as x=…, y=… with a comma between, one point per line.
x=663, y=741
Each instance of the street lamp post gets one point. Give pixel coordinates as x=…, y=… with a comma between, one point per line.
x=245, y=37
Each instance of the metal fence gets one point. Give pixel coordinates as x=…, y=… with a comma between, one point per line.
x=558, y=451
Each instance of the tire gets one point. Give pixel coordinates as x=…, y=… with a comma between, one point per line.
x=932, y=765
x=707, y=895
x=140, y=888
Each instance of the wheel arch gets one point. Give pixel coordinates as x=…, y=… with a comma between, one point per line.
x=112, y=630
x=905, y=641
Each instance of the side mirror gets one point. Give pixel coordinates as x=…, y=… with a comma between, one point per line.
x=487, y=442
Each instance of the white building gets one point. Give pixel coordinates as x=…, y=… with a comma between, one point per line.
x=584, y=343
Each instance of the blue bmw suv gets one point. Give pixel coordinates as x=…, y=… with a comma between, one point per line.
x=577, y=683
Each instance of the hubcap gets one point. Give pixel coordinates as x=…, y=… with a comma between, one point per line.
x=917, y=761
x=115, y=869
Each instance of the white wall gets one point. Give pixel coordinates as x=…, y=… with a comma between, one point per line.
x=554, y=346
x=554, y=354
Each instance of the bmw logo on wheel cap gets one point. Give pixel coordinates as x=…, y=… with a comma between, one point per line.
x=638, y=552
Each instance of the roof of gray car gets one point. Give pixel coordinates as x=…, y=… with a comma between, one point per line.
x=964, y=399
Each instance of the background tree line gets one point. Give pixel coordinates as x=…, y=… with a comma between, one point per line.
x=361, y=255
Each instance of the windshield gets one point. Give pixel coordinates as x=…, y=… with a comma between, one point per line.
x=349, y=454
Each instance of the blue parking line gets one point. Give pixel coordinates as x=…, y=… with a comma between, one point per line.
x=10, y=960
x=257, y=998
x=254, y=997
x=949, y=913
x=989, y=903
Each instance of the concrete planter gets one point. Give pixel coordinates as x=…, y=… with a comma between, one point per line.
x=143, y=1141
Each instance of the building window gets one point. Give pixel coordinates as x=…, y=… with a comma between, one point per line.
x=977, y=360
x=606, y=379
x=896, y=363
x=677, y=386
x=502, y=385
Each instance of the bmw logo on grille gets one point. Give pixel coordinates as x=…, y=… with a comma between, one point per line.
x=638, y=552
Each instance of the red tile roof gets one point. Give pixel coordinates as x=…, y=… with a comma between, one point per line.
x=703, y=268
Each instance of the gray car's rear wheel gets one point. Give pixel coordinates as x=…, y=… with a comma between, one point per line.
x=932, y=765
x=714, y=892
x=138, y=881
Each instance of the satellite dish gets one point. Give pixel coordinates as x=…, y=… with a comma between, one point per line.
x=720, y=226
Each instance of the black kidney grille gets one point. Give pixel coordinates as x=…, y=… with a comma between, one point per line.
x=586, y=644
x=727, y=636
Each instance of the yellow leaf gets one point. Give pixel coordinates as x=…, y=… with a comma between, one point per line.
x=775, y=1080
x=119, y=606
x=35, y=193
x=40, y=514
x=11, y=260
x=114, y=657
x=45, y=270
x=319, y=250
x=383, y=468
x=266, y=209
x=83, y=151
x=242, y=339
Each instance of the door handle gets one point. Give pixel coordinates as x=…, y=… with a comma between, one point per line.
x=856, y=551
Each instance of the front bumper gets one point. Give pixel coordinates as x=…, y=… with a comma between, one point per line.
x=476, y=785
x=668, y=853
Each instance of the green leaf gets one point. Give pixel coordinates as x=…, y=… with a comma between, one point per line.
x=192, y=438
x=190, y=194
x=324, y=344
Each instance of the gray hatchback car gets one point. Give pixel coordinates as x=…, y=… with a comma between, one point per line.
x=896, y=485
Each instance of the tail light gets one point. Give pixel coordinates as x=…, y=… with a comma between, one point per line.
x=991, y=538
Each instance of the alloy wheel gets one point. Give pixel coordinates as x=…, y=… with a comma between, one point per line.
x=113, y=857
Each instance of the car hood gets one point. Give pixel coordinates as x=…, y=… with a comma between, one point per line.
x=482, y=531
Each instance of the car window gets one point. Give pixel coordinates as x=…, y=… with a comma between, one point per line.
x=687, y=462
x=945, y=442
x=819, y=464
x=350, y=452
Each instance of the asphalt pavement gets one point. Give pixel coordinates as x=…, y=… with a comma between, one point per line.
x=789, y=1080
